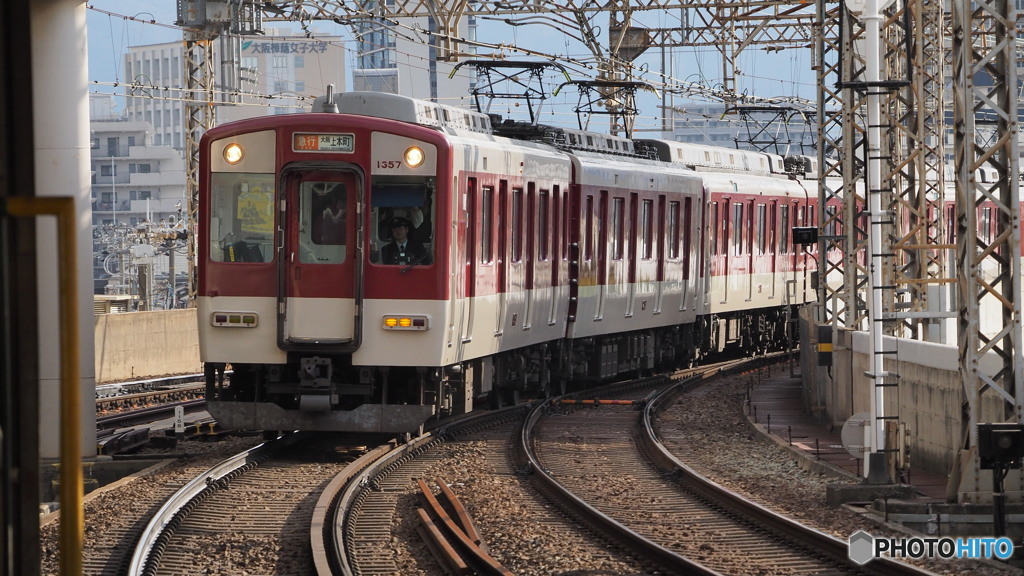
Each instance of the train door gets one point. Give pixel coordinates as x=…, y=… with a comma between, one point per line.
x=763, y=271
x=768, y=245
x=748, y=247
x=726, y=246
x=502, y=256
x=601, y=253
x=630, y=239
x=787, y=260
x=550, y=242
x=666, y=235
x=320, y=267
x=685, y=236
x=530, y=255
x=515, y=265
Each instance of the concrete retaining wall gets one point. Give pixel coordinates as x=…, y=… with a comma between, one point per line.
x=927, y=401
x=136, y=345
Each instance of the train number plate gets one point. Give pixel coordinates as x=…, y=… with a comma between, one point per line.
x=323, y=142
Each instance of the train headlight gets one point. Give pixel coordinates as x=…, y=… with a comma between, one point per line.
x=406, y=322
x=414, y=156
x=233, y=153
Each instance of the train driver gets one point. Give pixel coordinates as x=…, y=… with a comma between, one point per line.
x=402, y=249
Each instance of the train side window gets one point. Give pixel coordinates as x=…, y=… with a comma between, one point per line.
x=241, y=217
x=737, y=228
x=646, y=235
x=618, y=227
x=687, y=234
x=761, y=228
x=951, y=224
x=562, y=219
x=784, y=226
x=985, y=225
x=714, y=230
x=516, y=228
x=588, y=244
x=486, y=224
x=672, y=232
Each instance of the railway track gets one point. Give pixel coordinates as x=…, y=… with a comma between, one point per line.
x=532, y=538
x=116, y=515
x=591, y=463
x=631, y=507
x=252, y=511
x=126, y=412
x=605, y=462
x=115, y=398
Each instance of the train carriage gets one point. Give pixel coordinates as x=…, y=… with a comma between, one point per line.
x=320, y=331
x=527, y=257
x=758, y=274
x=638, y=279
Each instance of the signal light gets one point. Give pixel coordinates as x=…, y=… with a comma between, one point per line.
x=233, y=153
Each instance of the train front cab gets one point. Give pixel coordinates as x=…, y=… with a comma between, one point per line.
x=303, y=325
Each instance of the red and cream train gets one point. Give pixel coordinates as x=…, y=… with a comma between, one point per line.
x=552, y=256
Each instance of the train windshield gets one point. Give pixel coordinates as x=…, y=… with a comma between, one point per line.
x=323, y=210
x=241, y=217
x=401, y=216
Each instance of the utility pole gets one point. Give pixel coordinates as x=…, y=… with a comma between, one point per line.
x=984, y=37
x=204, y=21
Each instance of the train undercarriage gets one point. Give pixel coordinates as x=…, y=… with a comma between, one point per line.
x=325, y=392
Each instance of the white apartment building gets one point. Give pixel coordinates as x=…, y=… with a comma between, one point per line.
x=137, y=190
x=132, y=180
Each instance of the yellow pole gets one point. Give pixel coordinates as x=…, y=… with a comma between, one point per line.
x=72, y=522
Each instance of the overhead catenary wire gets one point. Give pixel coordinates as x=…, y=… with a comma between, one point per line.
x=585, y=65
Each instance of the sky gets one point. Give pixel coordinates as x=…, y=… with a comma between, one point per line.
x=116, y=25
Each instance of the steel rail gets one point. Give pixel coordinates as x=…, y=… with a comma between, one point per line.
x=738, y=505
x=642, y=546
x=147, y=552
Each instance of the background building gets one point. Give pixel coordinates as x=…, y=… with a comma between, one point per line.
x=257, y=76
x=776, y=129
x=277, y=74
x=138, y=192
x=402, y=60
x=138, y=171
